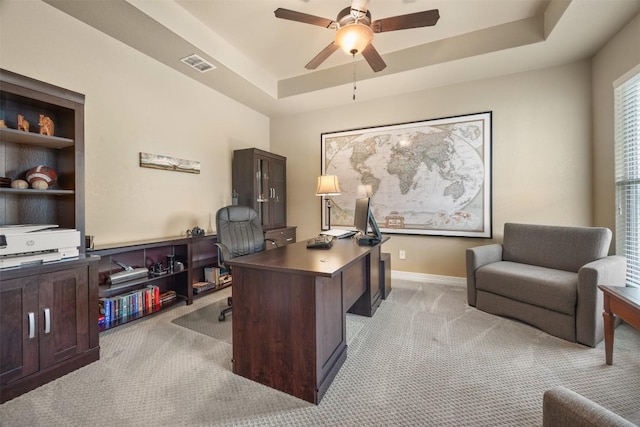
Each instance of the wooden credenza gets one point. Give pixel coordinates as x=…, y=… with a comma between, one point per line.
x=289, y=312
x=48, y=323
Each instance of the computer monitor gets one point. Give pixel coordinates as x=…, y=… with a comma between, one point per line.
x=363, y=220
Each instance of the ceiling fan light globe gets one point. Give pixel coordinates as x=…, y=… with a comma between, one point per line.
x=353, y=38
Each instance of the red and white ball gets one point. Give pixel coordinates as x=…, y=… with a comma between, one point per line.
x=41, y=177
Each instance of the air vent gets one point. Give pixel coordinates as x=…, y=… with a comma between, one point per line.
x=198, y=63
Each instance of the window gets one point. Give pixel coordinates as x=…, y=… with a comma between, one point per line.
x=627, y=153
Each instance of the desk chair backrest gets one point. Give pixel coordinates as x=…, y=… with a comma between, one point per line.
x=239, y=229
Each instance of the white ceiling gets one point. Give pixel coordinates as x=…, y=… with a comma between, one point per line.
x=261, y=59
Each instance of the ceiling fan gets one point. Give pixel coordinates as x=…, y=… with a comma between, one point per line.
x=354, y=30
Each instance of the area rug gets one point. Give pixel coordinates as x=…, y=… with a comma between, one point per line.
x=205, y=321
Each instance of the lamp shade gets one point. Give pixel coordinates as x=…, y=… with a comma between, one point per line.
x=353, y=38
x=328, y=186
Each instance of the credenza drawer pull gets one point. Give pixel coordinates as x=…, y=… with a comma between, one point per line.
x=47, y=321
x=32, y=324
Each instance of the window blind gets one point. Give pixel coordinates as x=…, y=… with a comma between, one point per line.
x=627, y=174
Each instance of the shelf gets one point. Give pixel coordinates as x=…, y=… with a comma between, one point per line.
x=204, y=262
x=107, y=291
x=31, y=191
x=30, y=138
x=109, y=325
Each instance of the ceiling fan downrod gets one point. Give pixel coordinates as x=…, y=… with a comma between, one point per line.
x=353, y=53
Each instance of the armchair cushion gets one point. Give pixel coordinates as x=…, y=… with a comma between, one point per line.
x=560, y=248
x=539, y=286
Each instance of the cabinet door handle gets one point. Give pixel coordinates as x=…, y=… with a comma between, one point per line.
x=47, y=321
x=32, y=324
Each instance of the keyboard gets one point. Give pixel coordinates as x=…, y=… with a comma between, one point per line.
x=320, y=242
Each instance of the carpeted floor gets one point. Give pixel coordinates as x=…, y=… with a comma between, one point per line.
x=426, y=358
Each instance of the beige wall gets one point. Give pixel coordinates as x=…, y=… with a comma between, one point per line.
x=541, y=154
x=542, y=135
x=617, y=57
x=133, y=104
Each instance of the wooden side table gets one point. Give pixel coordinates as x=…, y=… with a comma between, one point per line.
x=623, y=302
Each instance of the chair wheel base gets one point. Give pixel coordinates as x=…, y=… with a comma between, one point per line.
x=221, y=317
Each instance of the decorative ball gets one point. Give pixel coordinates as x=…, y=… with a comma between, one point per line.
x=41, y=177
x=19, y=183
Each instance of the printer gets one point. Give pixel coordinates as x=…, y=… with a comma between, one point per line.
x=35, y=244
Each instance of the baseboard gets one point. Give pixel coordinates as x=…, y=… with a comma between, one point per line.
x=431, y=278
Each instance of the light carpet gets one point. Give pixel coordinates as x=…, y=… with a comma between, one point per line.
x=426, y=358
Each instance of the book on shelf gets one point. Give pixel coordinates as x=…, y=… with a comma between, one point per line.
x=167, y=296
x=130, y=303
x=225, y=279
x=203, y=286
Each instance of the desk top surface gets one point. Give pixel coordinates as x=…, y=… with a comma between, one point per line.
x=297, y=258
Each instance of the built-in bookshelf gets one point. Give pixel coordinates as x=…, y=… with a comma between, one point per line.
x=176, y=273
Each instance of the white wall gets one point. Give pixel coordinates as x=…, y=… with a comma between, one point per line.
x=618, y=56
x=541, y=154
x=133, y=104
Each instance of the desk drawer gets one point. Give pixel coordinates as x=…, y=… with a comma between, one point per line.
x=283, y=236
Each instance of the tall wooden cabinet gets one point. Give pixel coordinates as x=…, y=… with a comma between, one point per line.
x=259, y=179
x=63, y=204
x=48, y=312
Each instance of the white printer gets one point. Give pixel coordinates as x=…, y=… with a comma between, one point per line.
x=30, y=244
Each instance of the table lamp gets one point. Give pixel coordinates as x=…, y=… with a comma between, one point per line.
x=328, y=186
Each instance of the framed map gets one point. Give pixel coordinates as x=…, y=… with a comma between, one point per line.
x=431, y=177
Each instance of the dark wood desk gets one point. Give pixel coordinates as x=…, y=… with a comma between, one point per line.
x=623, y=302
x=289, y=305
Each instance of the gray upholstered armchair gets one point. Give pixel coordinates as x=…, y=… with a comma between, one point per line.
x=562, y=407
x=548, y=277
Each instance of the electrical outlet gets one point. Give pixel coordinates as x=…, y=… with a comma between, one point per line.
x=403, y=254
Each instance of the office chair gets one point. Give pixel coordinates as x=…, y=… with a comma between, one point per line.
x=239, y=233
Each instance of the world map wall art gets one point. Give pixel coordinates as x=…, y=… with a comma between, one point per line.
x=431, y=177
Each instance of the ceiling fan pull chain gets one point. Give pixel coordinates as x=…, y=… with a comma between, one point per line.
x=354, y=76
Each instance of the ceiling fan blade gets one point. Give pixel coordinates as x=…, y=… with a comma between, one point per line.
x=320, y=58
x=427, y=18
x=373, y=58
x=292, y=15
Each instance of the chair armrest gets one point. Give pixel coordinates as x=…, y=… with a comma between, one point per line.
x=224, y=254
x=563, y=407
x=476, y=258
x=610, y=270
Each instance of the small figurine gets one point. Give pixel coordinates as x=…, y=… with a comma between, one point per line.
x=22, y=123
x=2, y=124
x=46, y=125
